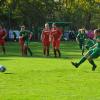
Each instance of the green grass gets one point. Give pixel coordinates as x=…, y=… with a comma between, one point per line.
x=41, y=78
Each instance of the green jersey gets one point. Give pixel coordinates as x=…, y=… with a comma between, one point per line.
x=89, y=43
x=26, y=35
x=81, y=37
x=14, y=33
x=98, y=43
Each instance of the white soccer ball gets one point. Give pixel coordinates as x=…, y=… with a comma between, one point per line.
x=2, y=68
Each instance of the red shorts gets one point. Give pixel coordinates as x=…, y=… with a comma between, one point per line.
x=46, y=43
x=56, y=43
x=21, y=41
x=2, y=41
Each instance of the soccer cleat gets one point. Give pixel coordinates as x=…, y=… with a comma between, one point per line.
x=93, y=68
x=75, y=64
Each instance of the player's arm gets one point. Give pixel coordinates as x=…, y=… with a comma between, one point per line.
x=30, y=35
x=50, y=36
x=5, y=34
x=60, y=34
x=42, y=35
x=77, y=39
x=60, y=37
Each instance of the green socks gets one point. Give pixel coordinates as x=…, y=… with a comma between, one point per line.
x=82, y=60
x=92, y=62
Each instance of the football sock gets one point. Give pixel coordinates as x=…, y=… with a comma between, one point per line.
x=82, y=60
x=47, y=52
x=92, y=62
x=59, y=52
x=55, y=54
x=44, y=51
x=3, y=48
x=29, y=50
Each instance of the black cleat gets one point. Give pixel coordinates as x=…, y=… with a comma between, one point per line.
x=93, y=68
x=75, y=64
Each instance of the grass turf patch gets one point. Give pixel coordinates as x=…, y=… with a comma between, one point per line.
x=41, y=78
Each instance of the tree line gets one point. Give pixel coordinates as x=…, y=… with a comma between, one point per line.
x=82, y=13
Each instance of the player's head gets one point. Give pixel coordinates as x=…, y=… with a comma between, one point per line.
x=82, y=31
x=97, y=32
x=46, y=25
x=22, y=27
x=53, y=25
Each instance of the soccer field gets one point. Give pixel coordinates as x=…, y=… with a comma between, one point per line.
x=48, y=78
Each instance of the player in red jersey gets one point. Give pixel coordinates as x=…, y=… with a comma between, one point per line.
x=55, y=39
x=3, y=35
x=45, y=37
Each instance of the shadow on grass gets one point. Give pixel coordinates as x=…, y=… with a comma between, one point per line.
x=69, y=50
x=8, y=73
x=4, y=59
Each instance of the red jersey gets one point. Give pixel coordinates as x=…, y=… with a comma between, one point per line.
x=2, y=33
x=55, y=33
x=45, y=34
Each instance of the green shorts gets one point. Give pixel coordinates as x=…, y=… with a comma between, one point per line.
x=94, y=53
x=81, y=45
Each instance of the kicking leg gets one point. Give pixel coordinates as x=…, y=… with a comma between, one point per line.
x=83, y=59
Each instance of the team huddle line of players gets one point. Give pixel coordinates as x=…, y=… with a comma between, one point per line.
x=53, y=36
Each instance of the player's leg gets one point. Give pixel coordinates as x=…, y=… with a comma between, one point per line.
x=22, y=49
x=57, y=48
x=44, y=48
x=83, y=59
x=25, y=48
x=82, y=48
x=2, y=43
x=21, y=43
x=3, y=49
x=29, y=50
x=47, y=50
x=47, y=44
x=54, y=48
x=95, y=54
x=92, y=63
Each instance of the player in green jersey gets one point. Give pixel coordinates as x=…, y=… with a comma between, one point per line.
x=24, y=39
x=81, y=39
x=94, y=52
x=89, y=43
x=14, y=36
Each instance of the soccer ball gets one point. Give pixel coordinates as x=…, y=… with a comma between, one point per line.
x=2, y=68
